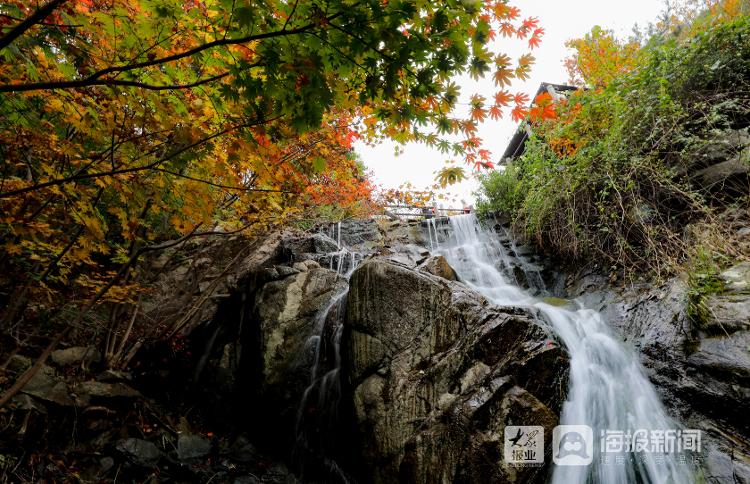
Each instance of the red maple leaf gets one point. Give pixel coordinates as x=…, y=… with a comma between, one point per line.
x=534, y=41
x=507, y=29
x=519, y=113
x=531, y=23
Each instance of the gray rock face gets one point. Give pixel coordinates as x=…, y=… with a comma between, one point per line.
x=362, y=234
x=199, y=275
x=76, y=355
x=140, y=452
x=311, y=244
x=190, y=447
x=436, y=373
x=722, y=164
x=46, y=385
x=287, y=310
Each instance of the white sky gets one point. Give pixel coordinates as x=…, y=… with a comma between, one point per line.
x=562, y=20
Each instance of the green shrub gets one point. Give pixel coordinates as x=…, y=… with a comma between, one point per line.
x=497, y=192
x=621, y=192
x=703, y=281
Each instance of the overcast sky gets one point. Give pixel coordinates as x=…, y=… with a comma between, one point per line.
x=562, y=20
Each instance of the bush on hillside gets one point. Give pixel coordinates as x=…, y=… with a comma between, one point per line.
x=610, y=177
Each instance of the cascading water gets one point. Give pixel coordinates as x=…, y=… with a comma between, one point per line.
x=317, y=413
x=608, y=387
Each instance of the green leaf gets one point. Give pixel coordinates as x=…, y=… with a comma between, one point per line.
x=319, y=164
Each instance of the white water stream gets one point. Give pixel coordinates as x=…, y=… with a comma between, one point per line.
x=608, y=387
x=317, y=413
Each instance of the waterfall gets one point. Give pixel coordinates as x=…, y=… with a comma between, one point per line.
x=608, y=387
x=317, y=412
x=432, y=233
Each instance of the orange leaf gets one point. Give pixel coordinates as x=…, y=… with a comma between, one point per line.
x=534, y=42
x=503, y=98
x=503, y=76
x=519, y=113
x=478, y=114
x=507, y=29
x=521, y=98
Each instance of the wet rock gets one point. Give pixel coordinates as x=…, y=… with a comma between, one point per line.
x=720, y=163
x=287, y=312
x=305, y=266
x=191, y=446
x=719, y=467
x=362, y=234
x=100, y=389
x=728, y=313
x=106, y=464
x=737, y=278
x=246, y=480
x=243, y=450
x=25, y=402
x=18, y=363
x=437, y=372
x=48, y=386
x=279, y=474
x=214, y=270
x=702, y=374
x=285, y=271
x=731, y=172
x=726, y=357
x=439, y=266
x=300, y=247
x=76, y=355
x=140, y=452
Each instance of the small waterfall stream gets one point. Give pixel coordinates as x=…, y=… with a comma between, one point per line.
x=317, y=413
x=608, y=387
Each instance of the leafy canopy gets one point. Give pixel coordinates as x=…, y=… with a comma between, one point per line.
x=125, y=123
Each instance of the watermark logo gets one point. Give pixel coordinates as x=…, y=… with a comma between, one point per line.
x=651, y=441
x=524, y=445
x=572, y=445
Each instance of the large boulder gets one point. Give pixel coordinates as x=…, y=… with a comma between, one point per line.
x=188, y=283
x=436, y=373
x=721, y=164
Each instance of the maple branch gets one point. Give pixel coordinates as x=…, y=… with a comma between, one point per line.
x=94, y=78
x=149, y=166
x=219, y=185
x=36, y=17
x=54, y=85
x=291, y=14
x=46, y=24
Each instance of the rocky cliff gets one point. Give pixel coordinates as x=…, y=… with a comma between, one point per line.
x=351, y=354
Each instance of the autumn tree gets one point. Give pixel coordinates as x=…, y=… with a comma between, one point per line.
x=126, y=124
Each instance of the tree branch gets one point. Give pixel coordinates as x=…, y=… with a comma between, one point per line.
x=54, y=85
x=154, y=164
x=96, y=76
x=31, y=20
x=219, y=185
